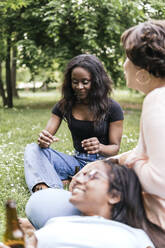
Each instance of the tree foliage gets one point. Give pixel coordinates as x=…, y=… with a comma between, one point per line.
x=49, y=31
x=10, y=13
x=91, y=26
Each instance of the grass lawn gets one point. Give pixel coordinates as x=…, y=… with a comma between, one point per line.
x=22, y=124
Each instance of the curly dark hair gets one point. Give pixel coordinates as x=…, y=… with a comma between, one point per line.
x=98, y=98
x=130, y=210
x=145, y=46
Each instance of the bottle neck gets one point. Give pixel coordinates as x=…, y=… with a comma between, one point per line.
x=11, y=219
x=13, y=230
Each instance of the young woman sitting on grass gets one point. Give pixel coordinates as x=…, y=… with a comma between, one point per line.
x=112, y=212
x=94, y=119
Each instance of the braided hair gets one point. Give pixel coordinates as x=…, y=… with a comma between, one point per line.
x=145, y=46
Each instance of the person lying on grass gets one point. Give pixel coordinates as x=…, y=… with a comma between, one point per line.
x=112, y=212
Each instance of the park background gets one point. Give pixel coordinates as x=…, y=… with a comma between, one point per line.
x=37, y=39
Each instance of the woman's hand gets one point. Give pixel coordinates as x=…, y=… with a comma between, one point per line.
x=46, y=139
x=91, y=145
x=129, y=158
x=122, y=158
x=30, y=240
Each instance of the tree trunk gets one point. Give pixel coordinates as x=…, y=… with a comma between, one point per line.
x=8, y=73
x=2, y=91
x=13, y=71
x=34, y=84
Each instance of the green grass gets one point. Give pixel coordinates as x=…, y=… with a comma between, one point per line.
x=131, y=102
x=22, y=124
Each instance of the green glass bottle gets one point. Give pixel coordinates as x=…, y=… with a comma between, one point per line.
x=13, y=235
x=67, y=182
x=77, y=169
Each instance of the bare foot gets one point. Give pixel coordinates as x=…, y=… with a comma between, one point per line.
x=40, y=186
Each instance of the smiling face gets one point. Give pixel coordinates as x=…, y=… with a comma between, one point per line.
x=81, y=83
x=90, y=190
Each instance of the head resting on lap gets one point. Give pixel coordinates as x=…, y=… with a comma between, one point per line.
x=130, y=209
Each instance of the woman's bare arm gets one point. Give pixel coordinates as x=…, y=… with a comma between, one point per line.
x=46, y=137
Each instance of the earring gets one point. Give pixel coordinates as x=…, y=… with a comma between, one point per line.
x=143, y=77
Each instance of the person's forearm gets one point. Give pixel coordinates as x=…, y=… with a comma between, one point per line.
x=53, y=124
x=109, y=150
x=151, y=179
x=46, y=137
x=123, y=157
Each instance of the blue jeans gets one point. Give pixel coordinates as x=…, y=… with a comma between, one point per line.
x=51, y=167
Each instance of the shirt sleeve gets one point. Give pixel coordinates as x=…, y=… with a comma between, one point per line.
x=56, y=110
x=115, y=112
x=149, y=155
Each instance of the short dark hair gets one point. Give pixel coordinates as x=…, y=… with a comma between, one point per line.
x=100, y=87
x=145, y=46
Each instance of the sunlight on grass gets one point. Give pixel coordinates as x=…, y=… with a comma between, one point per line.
x=129, y=99
x=22, y=124
x=128, y=96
